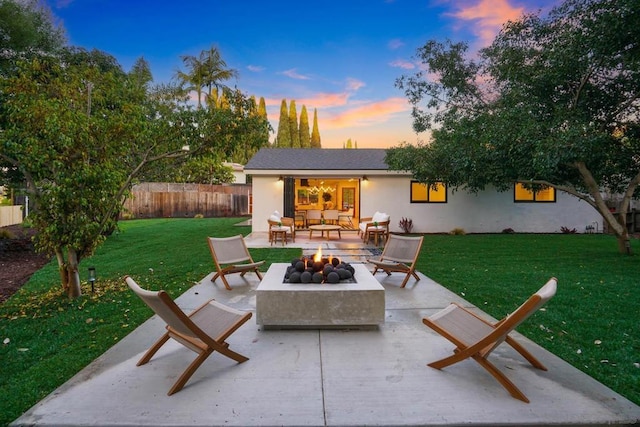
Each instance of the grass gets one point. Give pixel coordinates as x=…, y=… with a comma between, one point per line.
x=592, y=322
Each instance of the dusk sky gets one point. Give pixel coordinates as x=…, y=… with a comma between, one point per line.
x=339, y=57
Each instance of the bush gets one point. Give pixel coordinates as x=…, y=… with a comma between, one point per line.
x=566, y=230
x=508, y=231
x=458, y=232
x=406, y=224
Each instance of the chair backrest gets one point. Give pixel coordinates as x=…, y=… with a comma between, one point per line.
x=162, y=304
x=314, y=214
x=229, y=250
x=522, y=313
x=330, y=214
x=402, y=248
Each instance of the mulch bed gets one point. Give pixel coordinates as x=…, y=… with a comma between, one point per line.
x=18, y=260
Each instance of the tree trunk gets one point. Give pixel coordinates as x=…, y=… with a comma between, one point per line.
x=62, y=269
x=74, y=289
x=619, y=227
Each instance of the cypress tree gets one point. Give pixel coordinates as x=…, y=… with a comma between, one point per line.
x=262, y=112
x=293, y=124
x=305, y=136
x=283, y=139
x=315, y=134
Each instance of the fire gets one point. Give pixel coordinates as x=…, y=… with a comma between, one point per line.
x=318, y=255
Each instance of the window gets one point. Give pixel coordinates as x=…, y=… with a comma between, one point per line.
x=542, y=195
x=423, y=193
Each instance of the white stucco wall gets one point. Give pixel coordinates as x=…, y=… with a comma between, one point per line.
x=487, y=212
x=267, y=197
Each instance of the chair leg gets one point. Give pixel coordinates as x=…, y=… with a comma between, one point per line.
x=520, y=349
x=153, y=349
x=502, y=379
x=189, y=372
x=226, y=284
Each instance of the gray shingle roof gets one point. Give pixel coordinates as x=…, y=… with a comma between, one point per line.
x=318, y=159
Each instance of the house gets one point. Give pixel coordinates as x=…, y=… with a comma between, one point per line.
x=293, y=180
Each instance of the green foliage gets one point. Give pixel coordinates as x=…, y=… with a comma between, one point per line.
x=553, y=101
x=305, y=135
x=26, y=28
x=283, y=138
x=206, y=71
x=315, y=133
x=293, y=124
x=80, y=130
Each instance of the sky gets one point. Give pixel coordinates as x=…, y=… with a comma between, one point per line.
x=338, y=57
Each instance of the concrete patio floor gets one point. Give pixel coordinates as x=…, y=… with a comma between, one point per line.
x=326, y=377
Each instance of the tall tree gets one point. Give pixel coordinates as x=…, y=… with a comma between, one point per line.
x=141, y=73
x=27, y=28
x=315, y=133
x=283, y=138
x=206, y=71
x=293, y=124
x=554, y=101
x=79, y=131
x=305, y=135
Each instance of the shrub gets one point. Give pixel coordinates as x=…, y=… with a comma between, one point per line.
x=458, y=232
x=566, y=230
x=198, y=216
x=406, y=224
x=508, y=231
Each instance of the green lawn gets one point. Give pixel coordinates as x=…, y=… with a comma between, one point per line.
x=593, y=322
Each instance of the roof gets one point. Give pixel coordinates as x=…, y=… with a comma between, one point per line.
x=318, y=159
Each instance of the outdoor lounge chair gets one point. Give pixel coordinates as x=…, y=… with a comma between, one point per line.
x=203, y=331
x=230, y=255
x=399, y=255
x=376, y=225
x=476, y=338
x=282, y=227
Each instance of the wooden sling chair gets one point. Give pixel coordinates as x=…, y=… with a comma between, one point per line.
x=203, y=331
x=476, y=338
x=230, y=255
x=399, y=255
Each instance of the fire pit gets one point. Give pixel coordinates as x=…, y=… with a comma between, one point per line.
x=317, y=269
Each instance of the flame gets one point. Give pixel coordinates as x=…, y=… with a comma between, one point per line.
x=318, y=256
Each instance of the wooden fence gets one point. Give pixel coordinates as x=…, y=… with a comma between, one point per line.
x=170, y=200
x=10, y=215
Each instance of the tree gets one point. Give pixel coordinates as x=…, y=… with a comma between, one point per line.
x=283, y=138
x=315, y=133
x=293, y=124
x=79, y=130
x=27, y=28
x=554, y=101
x=305, y=136
x=205, y=71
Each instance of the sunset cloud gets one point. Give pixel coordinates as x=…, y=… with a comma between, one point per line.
x=294, y=74
x=487, y=17
x=354, y=84
x=366, y=114
x=401, y=63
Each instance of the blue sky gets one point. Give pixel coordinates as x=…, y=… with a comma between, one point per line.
x=339, y=57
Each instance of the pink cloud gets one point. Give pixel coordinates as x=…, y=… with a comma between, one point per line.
x=295, y=75
x=401, y=63
x=488, y=17
x=366, y=114
x=354, y=84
